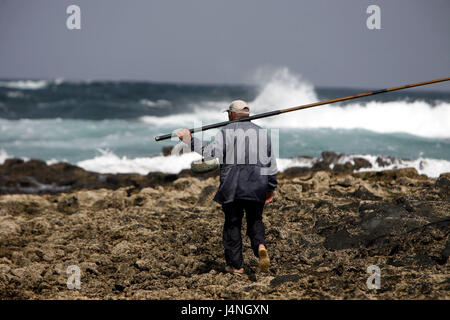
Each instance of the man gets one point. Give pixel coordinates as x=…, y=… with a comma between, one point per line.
x=247, y=182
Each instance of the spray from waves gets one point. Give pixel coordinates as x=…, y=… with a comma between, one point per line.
x=3, y=156
x=108, y=162
x=430, y=167
x=281, y=89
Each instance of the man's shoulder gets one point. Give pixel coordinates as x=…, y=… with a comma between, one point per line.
x=242, y=125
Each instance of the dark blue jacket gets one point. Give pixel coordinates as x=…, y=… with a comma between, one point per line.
x=247, y=162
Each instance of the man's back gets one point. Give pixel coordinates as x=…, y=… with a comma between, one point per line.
x=248, y=165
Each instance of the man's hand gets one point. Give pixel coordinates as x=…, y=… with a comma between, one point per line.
x=269, y=197
x=184, y=135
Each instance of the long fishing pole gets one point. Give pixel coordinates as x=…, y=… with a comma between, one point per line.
x=306, y=106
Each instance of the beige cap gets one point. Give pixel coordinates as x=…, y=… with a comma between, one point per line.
x=239, y=106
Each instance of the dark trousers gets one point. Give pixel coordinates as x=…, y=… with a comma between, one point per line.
x=232, y=240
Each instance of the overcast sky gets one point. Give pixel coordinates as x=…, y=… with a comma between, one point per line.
x=225, y=41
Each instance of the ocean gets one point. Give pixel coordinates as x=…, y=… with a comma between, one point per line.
x=109, y=126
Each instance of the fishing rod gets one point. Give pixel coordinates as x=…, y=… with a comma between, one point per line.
x=306, y=106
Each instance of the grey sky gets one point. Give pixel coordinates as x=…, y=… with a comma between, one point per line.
x=212, y=41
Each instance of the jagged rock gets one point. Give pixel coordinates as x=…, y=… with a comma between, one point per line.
x=389, y=175
x=296, y=172
x=364, y=194
x=35, y=176
x=330, y=157
x=182, y=183
x=164, y=241
x=9, y=227
x=443, y=183
x=321, y=181
x=68, y=204
x=345, y=168
x=121, y=249
x=4, y=269
x=321, y=166
x=361, y=163
x=143, y=264
x=166, y=151
x=206, y=195
x=283, y=279
x=383, y=162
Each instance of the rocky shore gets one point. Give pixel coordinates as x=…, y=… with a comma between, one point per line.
x=159, y=236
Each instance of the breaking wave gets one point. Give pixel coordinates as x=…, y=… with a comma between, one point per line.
x=282, y=89
x=24, y=84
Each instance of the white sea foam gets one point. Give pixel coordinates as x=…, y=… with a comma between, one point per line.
x=108, y=162
x=282, y=89
x=160, y=103
x=430, y=167
x=4, y=155
x=24, y=84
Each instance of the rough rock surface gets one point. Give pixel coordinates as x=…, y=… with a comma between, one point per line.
x=324, y=229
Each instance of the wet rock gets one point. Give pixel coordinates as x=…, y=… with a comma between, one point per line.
x=389, y=175
x=361, y=163
x=383, y=162
x=158, y=178
x=321, y=166
x=36, y=176
x=296, y=172
x=166, y=151
x=330, y=157
x=345, y=168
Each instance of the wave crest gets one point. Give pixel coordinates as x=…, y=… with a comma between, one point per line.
x=279, y=89
x=24, y=84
